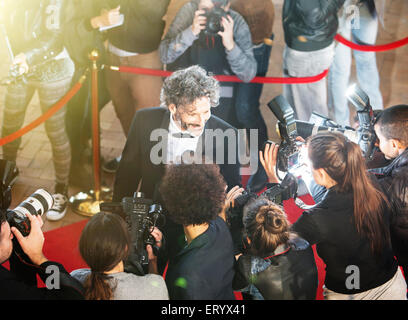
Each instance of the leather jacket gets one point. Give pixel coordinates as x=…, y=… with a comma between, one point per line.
x=310, y=25
x=290, y=273
x=33, y=28
x=393, y=178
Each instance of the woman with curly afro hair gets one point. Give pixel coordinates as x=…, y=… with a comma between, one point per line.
x=195, y=196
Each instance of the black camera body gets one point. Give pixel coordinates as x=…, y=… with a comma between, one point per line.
x=288, y=154
x=141, y=215
x=214, y=18
x=367, y=137
x=278, y=193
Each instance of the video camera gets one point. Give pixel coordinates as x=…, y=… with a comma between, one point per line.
x=141, y=215
x=36, y=204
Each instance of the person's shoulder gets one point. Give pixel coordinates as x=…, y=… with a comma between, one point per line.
x=151, y=112
x=217, y=123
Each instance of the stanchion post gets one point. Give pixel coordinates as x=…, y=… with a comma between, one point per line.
x=87, y=203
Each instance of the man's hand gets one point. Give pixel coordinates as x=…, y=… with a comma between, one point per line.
x=32, y=245
x=20, y=60
x=199, y=22
x=268, y=159
x=228, y=34
x=107, y=18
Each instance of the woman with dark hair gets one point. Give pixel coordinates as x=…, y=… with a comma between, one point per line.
x=277, y=265
x=350, y=225
x=104, y=245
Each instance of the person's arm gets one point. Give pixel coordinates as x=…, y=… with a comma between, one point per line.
x=315, y=12
x=240, y=56
x=59, y=284
x=180, y=35
x=128, y=174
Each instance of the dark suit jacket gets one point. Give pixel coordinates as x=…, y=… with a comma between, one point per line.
x=136, y=163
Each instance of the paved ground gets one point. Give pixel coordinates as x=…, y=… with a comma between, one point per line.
x=34, y=159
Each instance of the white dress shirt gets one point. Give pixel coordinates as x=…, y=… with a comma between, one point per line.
x=177, y=146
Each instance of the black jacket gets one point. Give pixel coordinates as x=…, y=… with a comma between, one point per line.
x=292, y=274
x=394, y=180
x=34, y=28
x=330, y=225
x=143, y=26
x=20, y=282
x=136, y=163
x=310, y=25
x=204, y=269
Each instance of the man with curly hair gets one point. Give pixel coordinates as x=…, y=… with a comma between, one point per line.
x=194, y=196
x=166, y=134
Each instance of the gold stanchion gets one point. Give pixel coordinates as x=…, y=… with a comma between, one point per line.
x=87, y=203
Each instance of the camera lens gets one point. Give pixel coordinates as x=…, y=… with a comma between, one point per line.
x=39, y=202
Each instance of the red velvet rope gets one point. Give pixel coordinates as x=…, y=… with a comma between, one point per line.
x=374, y=48
x=223, y=78
x=45, y=116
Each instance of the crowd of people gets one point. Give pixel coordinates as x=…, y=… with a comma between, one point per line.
x=359, y=223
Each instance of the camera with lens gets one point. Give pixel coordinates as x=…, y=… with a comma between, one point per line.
x=141, y=215
x=367, y=137
x=214, y=18
x=289, y=152
x=36, y=204
x=278, y=193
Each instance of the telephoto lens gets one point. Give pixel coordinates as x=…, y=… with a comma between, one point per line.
x=37, y=204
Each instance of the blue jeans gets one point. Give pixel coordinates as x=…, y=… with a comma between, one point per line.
x=248, y=95
x=363, y=31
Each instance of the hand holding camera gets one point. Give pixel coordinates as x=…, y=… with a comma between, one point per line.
x=227, y=32
x=199, y=22
x=33, y=243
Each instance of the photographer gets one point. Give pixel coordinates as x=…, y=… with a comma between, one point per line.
x=391, y=128
x=104, y=245
x=277, y=265
x=194, y=196
x=20, y=282
x=208, y=33
x=350, y=226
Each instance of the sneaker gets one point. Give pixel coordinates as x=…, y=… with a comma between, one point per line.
x=111, y=166
x=59, y=209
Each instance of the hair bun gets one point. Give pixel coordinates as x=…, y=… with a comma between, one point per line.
x=272, y=221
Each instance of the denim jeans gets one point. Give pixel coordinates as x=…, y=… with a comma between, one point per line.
x=362, y=31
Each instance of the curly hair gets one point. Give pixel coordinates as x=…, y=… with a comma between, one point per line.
x=193, y=194
x=185, y=86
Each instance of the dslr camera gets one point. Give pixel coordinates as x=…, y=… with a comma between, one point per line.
x=36, y=204
x=278, y=193
x=289, y=149
x=214, y=17
x=141, y=215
